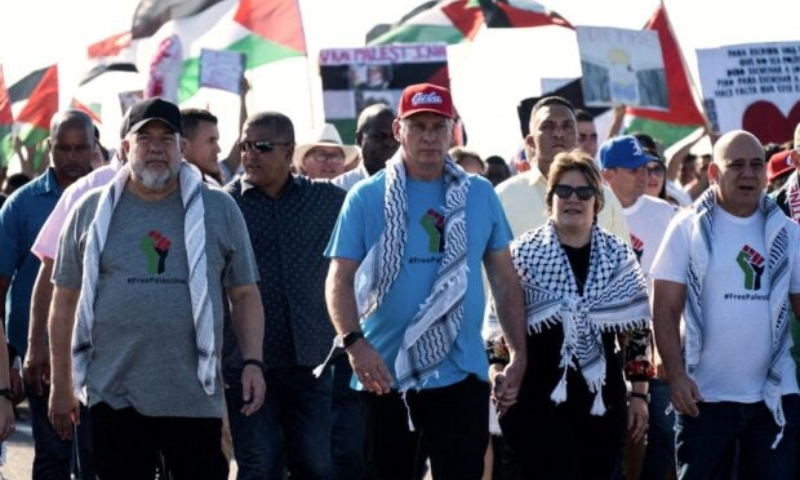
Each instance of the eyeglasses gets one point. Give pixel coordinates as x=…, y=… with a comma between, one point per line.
x=262, y=146
x=565, y=191
x=321, y=156
x=657, y=170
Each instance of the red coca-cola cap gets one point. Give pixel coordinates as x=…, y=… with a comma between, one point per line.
x=425, y=97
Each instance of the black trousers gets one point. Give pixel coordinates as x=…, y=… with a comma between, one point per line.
x=128, y=445
x=451, y=425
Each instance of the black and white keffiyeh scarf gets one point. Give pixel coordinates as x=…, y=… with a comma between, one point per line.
x=776, y=238
x=793, y=196
x=195, y=239
x=433, y=330
x=614, y=299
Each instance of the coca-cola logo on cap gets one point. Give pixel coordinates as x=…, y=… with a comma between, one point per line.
x=422, y=98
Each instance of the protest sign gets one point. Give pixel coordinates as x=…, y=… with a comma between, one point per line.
x=622, y=67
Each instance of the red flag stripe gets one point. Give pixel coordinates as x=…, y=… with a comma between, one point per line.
x=276, y=20
x=6, y=117
x=683, y=108
x=111, y=46
x=467, y=19
x=43, y=102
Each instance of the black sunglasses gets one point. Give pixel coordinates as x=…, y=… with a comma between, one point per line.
x=656, y=170
x=263, y=146
x=565, y=191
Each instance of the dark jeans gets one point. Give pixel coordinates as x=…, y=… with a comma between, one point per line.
x=292, y=430
x=706, y=445
x=659, y=454
x=54, y=458
x=347, y=436
x=450, y=423
x=127, y=445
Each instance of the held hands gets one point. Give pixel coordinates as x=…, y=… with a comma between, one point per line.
x=369, y=367
x=506, y=383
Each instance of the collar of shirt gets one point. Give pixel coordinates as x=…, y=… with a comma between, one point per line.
x=291, y=183
x=46, y=184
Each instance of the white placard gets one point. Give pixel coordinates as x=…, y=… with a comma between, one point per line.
x=622, y=67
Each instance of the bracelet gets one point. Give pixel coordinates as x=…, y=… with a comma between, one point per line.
x=257, y=363
x=641, y=396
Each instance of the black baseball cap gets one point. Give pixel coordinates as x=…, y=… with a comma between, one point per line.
x=154, y=108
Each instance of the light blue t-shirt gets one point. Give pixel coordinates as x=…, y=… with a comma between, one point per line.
x=360, y=225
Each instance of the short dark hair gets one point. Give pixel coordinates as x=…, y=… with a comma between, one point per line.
x=576, y=160
x=552, y=100
x=582, y=115
x=191, y=118
x=278, y=122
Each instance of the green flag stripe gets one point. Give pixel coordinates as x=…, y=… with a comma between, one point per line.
x=6, y=148
x=32, y=136
x=413, y=33
x=666, y=133
x=259, y=52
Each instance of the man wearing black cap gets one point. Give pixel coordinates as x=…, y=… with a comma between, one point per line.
x=140, y=273
x=405, y=294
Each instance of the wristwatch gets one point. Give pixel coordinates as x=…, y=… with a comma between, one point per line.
x=349, y=338
x=641, y=396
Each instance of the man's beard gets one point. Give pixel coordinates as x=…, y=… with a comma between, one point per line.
x=156, y=180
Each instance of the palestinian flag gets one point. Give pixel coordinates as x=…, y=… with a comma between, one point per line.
x=520, y=13
x=93, y=109
x=265, y=31
x=112, y=54
x=448, y=21
x=6, y=124
x=683, y=116
x=40, y=89
x=150, y=15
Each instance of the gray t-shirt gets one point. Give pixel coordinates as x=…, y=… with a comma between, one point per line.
x=145, y=353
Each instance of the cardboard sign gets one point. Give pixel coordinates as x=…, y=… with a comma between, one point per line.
x=221, y=69
x=754, y=87
x=622, y=67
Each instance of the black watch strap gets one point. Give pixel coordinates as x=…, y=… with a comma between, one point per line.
x=351, y=338
x=641, y=396
x=257, y=363
x=6, y=392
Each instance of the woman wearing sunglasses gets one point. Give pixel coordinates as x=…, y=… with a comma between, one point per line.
x=584, y=291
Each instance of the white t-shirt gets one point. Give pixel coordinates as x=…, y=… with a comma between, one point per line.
x=648, y=219
x=737, y=335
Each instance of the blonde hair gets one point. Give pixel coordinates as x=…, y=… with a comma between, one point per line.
x=576, y=160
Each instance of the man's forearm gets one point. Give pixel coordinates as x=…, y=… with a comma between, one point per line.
x=247, y=316
x=341, y=298
x=60, y=323
x=511, y=315
x=666, y=325
x=40, y=304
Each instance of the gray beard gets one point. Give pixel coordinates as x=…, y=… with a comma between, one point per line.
x=156, y=181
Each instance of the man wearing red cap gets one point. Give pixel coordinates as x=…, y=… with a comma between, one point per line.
x=405, y=294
